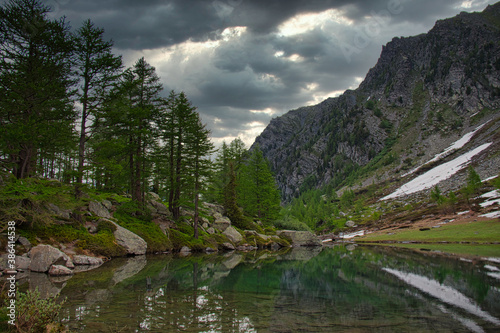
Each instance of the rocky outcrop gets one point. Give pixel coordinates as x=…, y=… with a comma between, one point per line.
x=87, y=260
x=233, y=235
x=98, y=209
x=300, y=238
x=423, y=93
x=131, y=242
x=44, y=256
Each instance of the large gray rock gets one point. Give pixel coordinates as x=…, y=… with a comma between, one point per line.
x=160, y=208
x=65, y=214
x=24, y=242
x=44, y=256
x=221, y=222
x=98, y=209
x=233, y=235
x=87, y=260
x=301, y=238
x=107, y=204
x=130, y=241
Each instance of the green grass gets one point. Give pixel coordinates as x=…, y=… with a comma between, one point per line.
x=468, y=250
x=475, y=232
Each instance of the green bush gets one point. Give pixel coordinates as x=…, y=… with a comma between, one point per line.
x=291, y=223
x=35, y=314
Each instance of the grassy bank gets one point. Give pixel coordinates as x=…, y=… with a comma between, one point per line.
x=481, y=232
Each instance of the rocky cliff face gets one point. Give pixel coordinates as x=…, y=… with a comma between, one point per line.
x=423, y=93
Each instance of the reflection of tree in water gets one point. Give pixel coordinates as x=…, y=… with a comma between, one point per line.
x=336, y=289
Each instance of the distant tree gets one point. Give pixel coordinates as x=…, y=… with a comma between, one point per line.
x=436, y=195
x=473, y=184
x=97, y=69
x=231, y=207
x=36, y=111
x=258, y=193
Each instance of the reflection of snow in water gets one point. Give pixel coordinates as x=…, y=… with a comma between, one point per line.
x=437, y=174
x=444, y=293
x=469, y=323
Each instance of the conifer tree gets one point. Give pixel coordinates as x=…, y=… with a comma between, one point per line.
x=258, y=193
x=97, y=69
x=36, y=111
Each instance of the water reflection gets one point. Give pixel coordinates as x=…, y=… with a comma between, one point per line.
x=325, y=290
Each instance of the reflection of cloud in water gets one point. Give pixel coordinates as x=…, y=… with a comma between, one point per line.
x=444, y=293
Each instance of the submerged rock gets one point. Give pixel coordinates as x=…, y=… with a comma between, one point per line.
x=87, y=260
x=59, y=270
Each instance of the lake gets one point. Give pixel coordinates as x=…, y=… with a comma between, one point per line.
x=331, y=289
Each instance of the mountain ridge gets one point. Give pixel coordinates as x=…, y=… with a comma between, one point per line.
x=423, y=93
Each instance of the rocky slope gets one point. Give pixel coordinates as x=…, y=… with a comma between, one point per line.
x=423, y=94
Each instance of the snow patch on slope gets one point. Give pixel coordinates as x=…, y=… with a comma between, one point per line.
x=437, y=174
x=454, y=146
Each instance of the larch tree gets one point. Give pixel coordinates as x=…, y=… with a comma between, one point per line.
x=258, y=193
x=97, y=68
x=36, y=110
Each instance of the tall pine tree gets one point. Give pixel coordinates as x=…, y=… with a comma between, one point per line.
x=36, y=110
x=97, y=69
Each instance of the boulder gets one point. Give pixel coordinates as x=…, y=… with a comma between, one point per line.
x=24, y=242
x=301, y=238
x=211, y=231
x=87, y=260
x=23, y=263
x=98, y=209
x=350, y=224
x=185, y=250
x=221, y=222
x=65, y=214
x=154, y=196
x=233, y=234
x=107, y=204
x=59, y=270
x=44, y=256
x=160, y=208
x=130, y=241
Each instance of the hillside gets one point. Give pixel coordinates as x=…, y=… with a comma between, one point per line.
x=424, y=94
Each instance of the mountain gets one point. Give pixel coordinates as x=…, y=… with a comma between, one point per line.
x=424, y=93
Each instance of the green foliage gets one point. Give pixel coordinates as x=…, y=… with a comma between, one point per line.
x=473, y=184
x=436, y=196
x=258, y=193
x=34, y=314
x=131, y=217
x=291, y=223
x=36, y=110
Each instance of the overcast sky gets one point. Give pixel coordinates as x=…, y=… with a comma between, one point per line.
x=243, y=62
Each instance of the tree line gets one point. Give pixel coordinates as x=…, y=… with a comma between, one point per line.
x=69, y=110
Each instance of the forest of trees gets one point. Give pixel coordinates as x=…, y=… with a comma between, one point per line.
x=69, y=110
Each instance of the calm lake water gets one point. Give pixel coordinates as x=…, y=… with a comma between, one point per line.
x=340, y=289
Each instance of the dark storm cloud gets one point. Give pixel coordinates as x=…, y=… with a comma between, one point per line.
x=261, y=68
x=158, y=23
